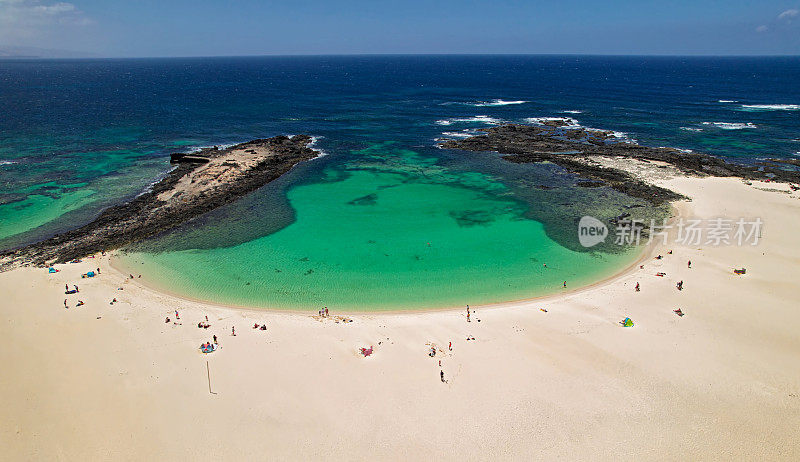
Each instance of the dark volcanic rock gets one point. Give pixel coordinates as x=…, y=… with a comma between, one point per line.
x=189, y=190
x=569, y=147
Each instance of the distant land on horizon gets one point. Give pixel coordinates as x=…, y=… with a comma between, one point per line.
x=14, y=52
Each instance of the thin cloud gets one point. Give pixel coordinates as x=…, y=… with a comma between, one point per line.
x=762, y=28
x=24, y=19
x=55, y=9
x=789, y=14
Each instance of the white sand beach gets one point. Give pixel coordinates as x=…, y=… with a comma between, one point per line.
x=115, y=382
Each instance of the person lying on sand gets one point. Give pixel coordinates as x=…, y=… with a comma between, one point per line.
x=80, y=303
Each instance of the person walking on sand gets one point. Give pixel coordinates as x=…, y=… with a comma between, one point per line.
x=65, y=304
x=637, y=287
x=441, y=376
x=66, y=287
x=689, y=265
x=233, y=331
x=177, y=316
x=468, y=314
x=215, y=340
x=450, y=346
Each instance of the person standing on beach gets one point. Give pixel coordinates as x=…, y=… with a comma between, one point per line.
x=637, y=287
x=689, y=264
x=565, y=284
x=66, y=287
x=468, y=313
x=233, y=331
x=65, y=303
x=441, y=376
x=215, y=340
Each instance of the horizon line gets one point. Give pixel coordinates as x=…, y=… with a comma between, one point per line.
x=321, y=55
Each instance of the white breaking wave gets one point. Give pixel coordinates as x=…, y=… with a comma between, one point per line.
x=727, y=101
x=496, y=102
x=731, y=125
x=571, y=111
x=692, y=129
x=572, y=124
x=194, y=149
x=7, y=162
x=770, y=107
x=313, y=146
x=569, y=121
x=480, y=118
x=457, y=134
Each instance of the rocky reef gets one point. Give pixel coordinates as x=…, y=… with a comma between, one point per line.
x=198, y=183
x=560, y=141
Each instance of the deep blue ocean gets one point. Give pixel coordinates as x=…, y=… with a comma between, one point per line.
x=79, y=135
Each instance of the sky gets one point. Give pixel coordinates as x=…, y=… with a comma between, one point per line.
x=155, y=28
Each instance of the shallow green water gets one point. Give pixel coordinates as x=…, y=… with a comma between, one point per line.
x=399, y=233
x=36, y=210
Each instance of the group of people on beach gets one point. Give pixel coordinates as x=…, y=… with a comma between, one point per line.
x=678, y=285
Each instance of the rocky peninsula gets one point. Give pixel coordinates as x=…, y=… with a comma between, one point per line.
x=199, y=182
x=562, y=142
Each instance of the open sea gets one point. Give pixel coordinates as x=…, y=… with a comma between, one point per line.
x=384, y=220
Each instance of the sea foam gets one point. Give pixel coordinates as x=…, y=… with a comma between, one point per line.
x=313, y=145
x=457, y=134
x=568, y=121
x=480, y=118
x=494, y=102
x=497, y=102
x=770, y=107
x=731, y=125
x=692, y=129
